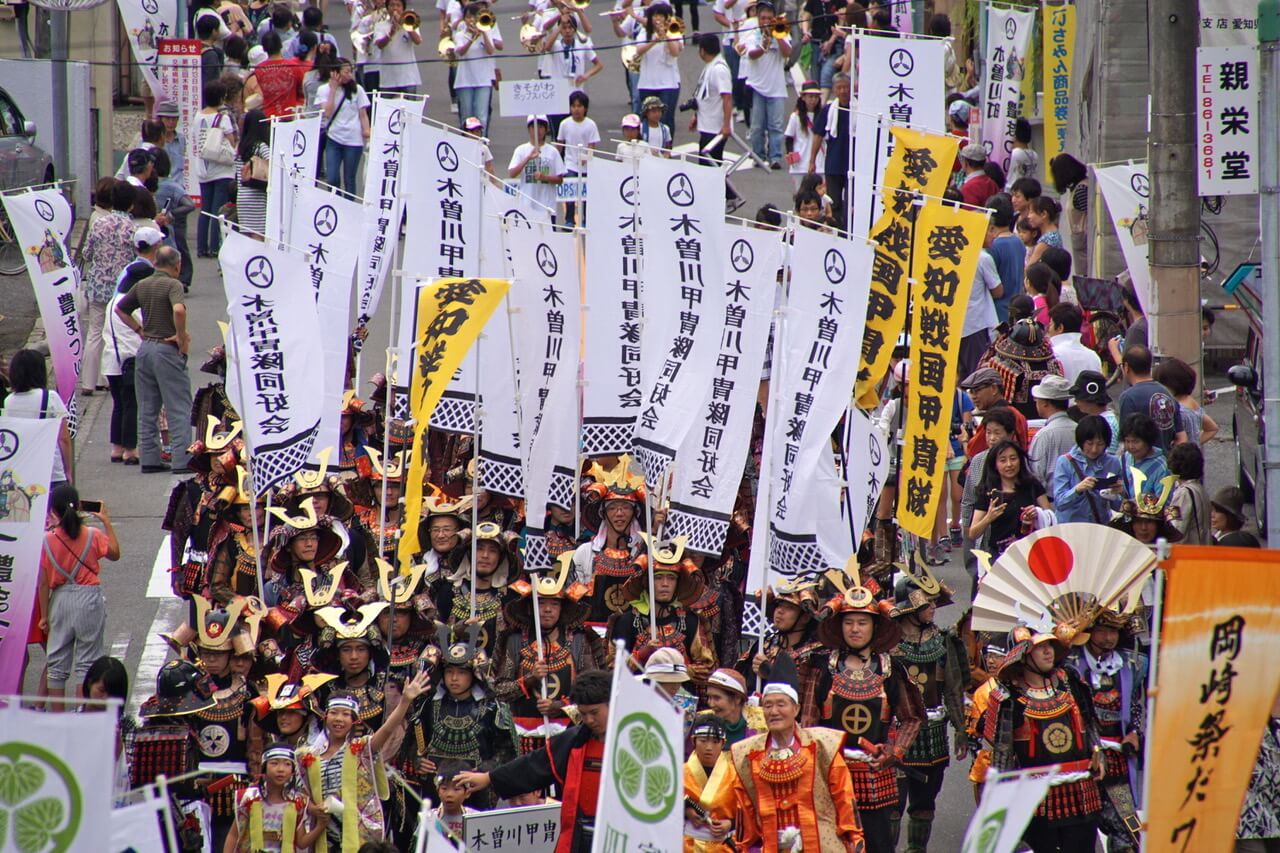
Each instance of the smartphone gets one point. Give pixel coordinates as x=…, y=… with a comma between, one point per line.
x=993, y=495
x=1107, y=482
x=91, y=506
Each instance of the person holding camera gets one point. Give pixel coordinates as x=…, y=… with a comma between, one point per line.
x=1086, y=479
x=72, y=608
x=346, y=113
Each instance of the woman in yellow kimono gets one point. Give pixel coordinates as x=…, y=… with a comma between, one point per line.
x=709, y=803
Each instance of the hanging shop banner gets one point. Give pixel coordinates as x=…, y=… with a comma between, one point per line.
x=1225, y=23
x=1227, y=86
x=1059, y=32
x=382, y=203
x=921, y=163
x=59, y=770
x=711, y=459
x=501, y=468
x=866, y=460
x=278, y=356
x=147, y=22
x=41, y=221
x=179, y=73
x=612, y=394
x=295, y=147
x=641, y=789
x=1007, y=64
x=948, y=243
x=27, y=446
x=451, y=312
x=321, y=218
x=1217, y=678
x=823, y=320
x=547, y=305
x=683, y=299
x=1126, y=189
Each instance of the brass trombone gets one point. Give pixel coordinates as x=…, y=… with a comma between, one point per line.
x=485, y=22
x=410, y=21
x=446, y=47
x=630, y=55
x=675, y=28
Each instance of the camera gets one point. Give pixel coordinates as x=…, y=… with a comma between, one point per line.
x=691, y=104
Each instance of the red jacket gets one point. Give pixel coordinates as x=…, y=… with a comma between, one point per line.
x=977, y=189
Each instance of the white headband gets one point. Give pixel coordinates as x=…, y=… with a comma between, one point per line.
x=277, y=752
x=348, y=703
x=784, y=689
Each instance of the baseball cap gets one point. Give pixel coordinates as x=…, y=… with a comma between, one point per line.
x=980, y=377
x=1052, y=388
x=1091, y=386
x=959, y=110
x=666, y=665
x=257, y=54
x=974, y=152
x=534, y=119
x=473, y=123
x=631, y=120
x=168, y=108
x=147, y=236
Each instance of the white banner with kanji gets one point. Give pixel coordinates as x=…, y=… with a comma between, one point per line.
x=1008, y=47
x=1227, y=119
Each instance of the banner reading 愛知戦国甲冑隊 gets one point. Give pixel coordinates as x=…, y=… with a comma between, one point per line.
x=27, y=446
x=321, y=220
x=1227, y=118
x=1059, y=35
x=641, y=804
x=1126, y=189
x=920, y=164
x=1009, y=800
x=41, y=221
x=1217, y=682
x=948, y=243
x=145, y=23
x=59, y=772
x=275, y=354
x=382, y=203
x=295, y=141
x=710, y=461
x=451, y=312
x=1008, y=45
x=549, y=305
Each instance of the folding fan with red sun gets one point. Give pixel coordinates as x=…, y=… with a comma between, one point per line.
x=1061, y=575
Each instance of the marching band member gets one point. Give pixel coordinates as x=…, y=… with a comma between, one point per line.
x=365, y=15
x=659, y=51
x=628, y=21
x=539, y=167
x=766, y=79
x=477, y=41
x=397, y=61
x=573, y=54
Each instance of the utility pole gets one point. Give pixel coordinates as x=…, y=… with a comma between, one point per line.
x=1171, y=162
x=1269, y=222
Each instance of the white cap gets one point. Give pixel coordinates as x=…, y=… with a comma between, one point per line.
x=537, y=118
x=147, y=236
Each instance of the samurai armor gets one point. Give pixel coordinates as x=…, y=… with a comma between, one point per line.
x=167, y=750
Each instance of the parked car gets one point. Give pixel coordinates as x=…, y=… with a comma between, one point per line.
x=22, y=164
x=1247, y=423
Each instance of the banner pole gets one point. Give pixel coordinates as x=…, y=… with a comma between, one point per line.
x=478, y=413
x=542, y=658
x=162, y=790
x=579, y=385
x=392, y=366
x=248, y=449
x=1157, y=614
x=648, y=541
x=895, y=449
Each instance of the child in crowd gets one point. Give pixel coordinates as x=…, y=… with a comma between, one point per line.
x=632, y=145
x=707, y=787
x=452, y=810
x=273, y=812
x=538, y=166
x=657, y=134
x=1141, y=438
x=798, y=138
x=578, y=136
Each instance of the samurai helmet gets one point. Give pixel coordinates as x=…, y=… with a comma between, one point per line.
x=329, y=541
x=281, y=694
x=318, y=482
x=573, y=609
x=1150, y=506
x=801, y=592
x=669, y=557
x=218, y=448
x=468, y=655
x=372, y=465
x=914, y=592
x=232, y=629
x=619, y=483
x=855, y=597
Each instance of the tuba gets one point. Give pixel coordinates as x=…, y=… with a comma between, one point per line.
x=630, y=55
x=410, y=21
x=446, y=47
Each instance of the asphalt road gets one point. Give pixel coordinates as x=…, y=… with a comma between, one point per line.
x=136, y=587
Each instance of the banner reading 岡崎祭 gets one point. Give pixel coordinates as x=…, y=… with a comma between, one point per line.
x=1008, y=44
x=920, y=164
x=1227, y=86
x=27, y=446
x=1126, y=189
x=1059, y=47
x=710, y=461
x=275, y=353
x=41, y=221
x=59, y=771
x=948, y=243
x=147, y=22
x=320, y=220
x=1216, y=686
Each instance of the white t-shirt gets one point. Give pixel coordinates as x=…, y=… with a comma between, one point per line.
x=765, y=74
x=658, y=68
x=477, y=68
x=27, y=404
x=344, y=127
x=574, y=61
x=548, y=162
x=362, y=30
x=1023, y=163
x=575, y=136
x=716, y=80
x=399, y=60
x=734, y=13
x=804, y=141
x=981, y=313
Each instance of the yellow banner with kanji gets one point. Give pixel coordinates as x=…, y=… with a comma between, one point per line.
x=948, y=242
x=921, y=164
x=451, y=314
x=1058, y=32
x=1216, y=683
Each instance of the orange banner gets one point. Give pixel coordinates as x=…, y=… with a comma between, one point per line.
x=1216, y=683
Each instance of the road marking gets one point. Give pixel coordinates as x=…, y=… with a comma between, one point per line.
x=160, y=585
x=120, y=648
x=170, y=613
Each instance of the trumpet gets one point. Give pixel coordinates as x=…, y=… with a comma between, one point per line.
x=410, y=21
x=446, y=47
x=781, y=29
x=675, y=29
x=485, y=22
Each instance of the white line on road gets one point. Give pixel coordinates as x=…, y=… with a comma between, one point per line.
x=170, y=613
x=120, y=648
x=160, y=584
